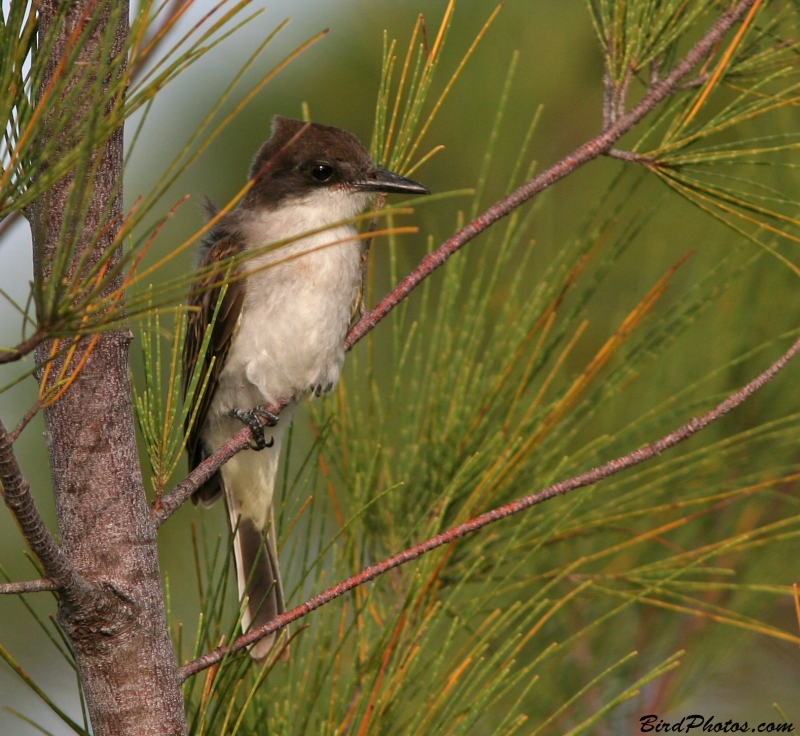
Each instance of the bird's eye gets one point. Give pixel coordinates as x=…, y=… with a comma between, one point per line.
x=322, y=172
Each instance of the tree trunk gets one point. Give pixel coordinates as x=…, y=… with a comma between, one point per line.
x=117, y=622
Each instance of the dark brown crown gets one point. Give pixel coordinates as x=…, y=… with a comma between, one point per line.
x=286, y=168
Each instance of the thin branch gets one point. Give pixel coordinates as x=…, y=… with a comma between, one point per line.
x=698, y=81
x=17, y=496
x=8, y=221
x=655, y=68
x=182, y=492
x=598, y=146
x=608, y=100
x=10, y=355
x=31, y=413
x=588, y=478
x=29, y=586
x=622, y=94
x=634, y=158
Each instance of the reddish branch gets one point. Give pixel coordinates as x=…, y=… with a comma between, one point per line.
x=559, y=489
x=184, y=490
x=598, y=146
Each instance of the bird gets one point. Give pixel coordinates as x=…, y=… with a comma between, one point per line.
x=279, y=332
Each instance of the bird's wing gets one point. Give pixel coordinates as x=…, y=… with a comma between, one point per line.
x=202, y=304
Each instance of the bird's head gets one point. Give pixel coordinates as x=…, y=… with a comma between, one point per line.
x=319, y=163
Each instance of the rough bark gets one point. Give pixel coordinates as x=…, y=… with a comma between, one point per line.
x=118, y=628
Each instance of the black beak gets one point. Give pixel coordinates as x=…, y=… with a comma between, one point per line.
x=380, y=180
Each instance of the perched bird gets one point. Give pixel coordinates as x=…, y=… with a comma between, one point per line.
x=280, y=328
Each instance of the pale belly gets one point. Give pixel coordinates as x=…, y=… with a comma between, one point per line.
x=291, y=336
x=290, y=340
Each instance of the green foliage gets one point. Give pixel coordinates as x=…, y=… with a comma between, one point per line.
x=53, y=132
x=472, y=397
x=633, y=35
x=162, y=411
x=500, y=375
x=716, y=160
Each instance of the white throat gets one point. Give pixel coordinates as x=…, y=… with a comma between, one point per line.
x=294, y=217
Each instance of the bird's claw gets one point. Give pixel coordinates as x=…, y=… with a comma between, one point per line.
x=320, y=388
x=256, y=419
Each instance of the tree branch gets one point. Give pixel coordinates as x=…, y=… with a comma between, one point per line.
x=597, y=146
x=10, y=355
x=655, y=68
x=608, y=100
x=630, y=157
x=29, y=415
x=8, y=221
x=18, y=498
x=182, y=492
x=588, y=478
x=698, y=81
x=29, y=586
x=622, y=94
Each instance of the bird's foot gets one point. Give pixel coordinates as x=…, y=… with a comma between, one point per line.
x=322, y=388
x=256, y=419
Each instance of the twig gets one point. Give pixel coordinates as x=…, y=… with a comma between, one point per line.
x=17, y=496
x=608, y=100
x=655, y=68
x=10, y=355
x=598, y=146
x=29, y=586
x=184, y=490
x=635, y=158
x=31, y=413
x=698, y=81
x=8, y=222
x=585, y=479
x=622, y=93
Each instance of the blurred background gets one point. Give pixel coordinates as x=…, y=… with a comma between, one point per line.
x=560, y=68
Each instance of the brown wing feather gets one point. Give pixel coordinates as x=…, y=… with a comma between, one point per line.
x=202, y=302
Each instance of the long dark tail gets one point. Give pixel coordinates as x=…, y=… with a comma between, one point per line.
x=260, y=578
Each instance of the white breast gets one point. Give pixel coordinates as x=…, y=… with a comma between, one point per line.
x=298, y=304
